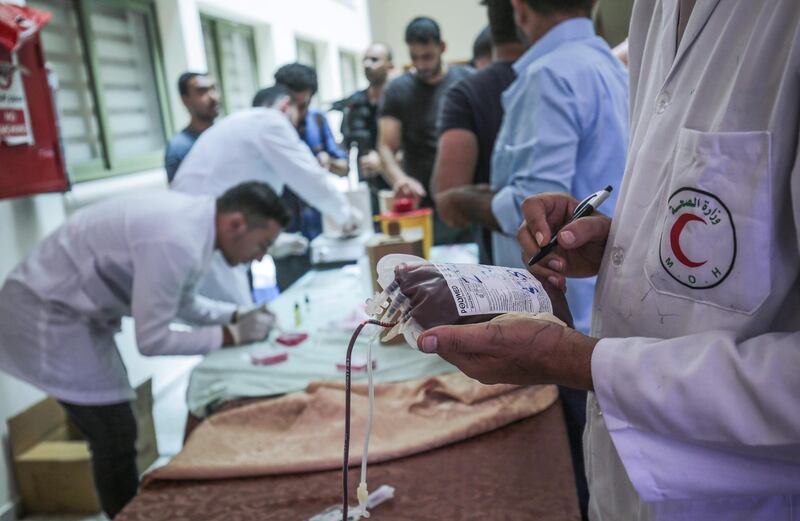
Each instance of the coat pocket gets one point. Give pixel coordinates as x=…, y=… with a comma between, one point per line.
x=713, y=241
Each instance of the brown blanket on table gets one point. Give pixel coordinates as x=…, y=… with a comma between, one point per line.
x=303, y=432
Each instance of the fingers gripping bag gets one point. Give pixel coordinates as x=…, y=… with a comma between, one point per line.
x=418, y=295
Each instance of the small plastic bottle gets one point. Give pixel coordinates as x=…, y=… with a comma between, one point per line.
x=298, y=316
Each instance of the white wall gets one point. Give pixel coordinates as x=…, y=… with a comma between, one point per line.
x=460, y=22
x=332, y=24
x=23, y=222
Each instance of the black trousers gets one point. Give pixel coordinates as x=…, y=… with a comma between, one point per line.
x=111, y=433
x=573, y=403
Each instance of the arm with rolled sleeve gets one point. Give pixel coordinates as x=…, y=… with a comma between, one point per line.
x=161, y=272
x=457, y=153
x=298, y=168
x=543, y=155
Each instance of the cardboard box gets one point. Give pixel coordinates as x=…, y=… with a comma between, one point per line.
x=52, y=462
x=382, y=245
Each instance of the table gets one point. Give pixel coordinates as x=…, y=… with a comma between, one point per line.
x=520, y=472
x=330, y=305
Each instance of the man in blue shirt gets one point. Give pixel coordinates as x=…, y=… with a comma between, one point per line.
x=200, y=97
x=313, y=127
x=301, y=81
x=565, y=130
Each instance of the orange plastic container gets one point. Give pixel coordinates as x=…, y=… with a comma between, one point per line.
x=413, y=225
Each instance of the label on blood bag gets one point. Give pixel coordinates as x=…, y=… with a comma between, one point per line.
x=489, y=290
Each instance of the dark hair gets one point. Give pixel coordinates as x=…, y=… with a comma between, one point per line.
x=185, y=78
x=389, y=55
x=254, y=199
x=501, y=21
x=297, y=77
x=548, y=7
x=482, y=46
x=268, y=96
x=423, y=30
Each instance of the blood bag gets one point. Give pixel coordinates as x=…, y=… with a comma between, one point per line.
x=419, y=295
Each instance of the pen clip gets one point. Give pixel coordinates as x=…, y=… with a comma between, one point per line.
x=582, y=205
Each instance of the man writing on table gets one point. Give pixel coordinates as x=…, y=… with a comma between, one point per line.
x=695, y=341
x=61, y=307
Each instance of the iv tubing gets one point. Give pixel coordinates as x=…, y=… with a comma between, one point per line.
x=348, y=368
x=371, y=389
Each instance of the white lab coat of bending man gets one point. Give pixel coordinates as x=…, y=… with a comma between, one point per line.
x=258, y=144
x=139, y=256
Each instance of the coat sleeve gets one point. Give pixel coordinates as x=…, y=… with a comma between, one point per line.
x=299, y=170
x=161, y=274
x=199, y=310
x=690, y=416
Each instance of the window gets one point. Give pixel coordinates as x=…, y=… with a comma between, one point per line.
x=348, y=66
x=307, y=53
x=111, y=87
x=231, y=58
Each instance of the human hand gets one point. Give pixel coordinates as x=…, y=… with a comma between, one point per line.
x=432, y=304
x=453, y=205
x=251, y=324
x=339, y=167
x=580, y=243
x=324, y=160
x=370, y=164
x=353, y=222
x=409, y=187
x=515, y=348
x=288, y=244
x=450, y=208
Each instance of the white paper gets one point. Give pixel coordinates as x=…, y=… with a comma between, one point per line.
x=488, y=290
x=15, y=127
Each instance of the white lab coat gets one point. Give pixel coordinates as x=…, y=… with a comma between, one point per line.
x=696, y=408
x=136, y=256
x=257, y=144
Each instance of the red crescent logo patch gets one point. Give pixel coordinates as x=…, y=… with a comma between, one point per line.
x=675, y=239
x=698, y=241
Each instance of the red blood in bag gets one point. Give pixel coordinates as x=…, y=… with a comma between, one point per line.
x=272, y=359
x=291, y=339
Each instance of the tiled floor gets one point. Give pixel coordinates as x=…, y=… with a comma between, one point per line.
x=169, y=412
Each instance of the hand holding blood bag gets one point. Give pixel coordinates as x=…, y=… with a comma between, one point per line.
x=422, y=295
x=418, y=295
